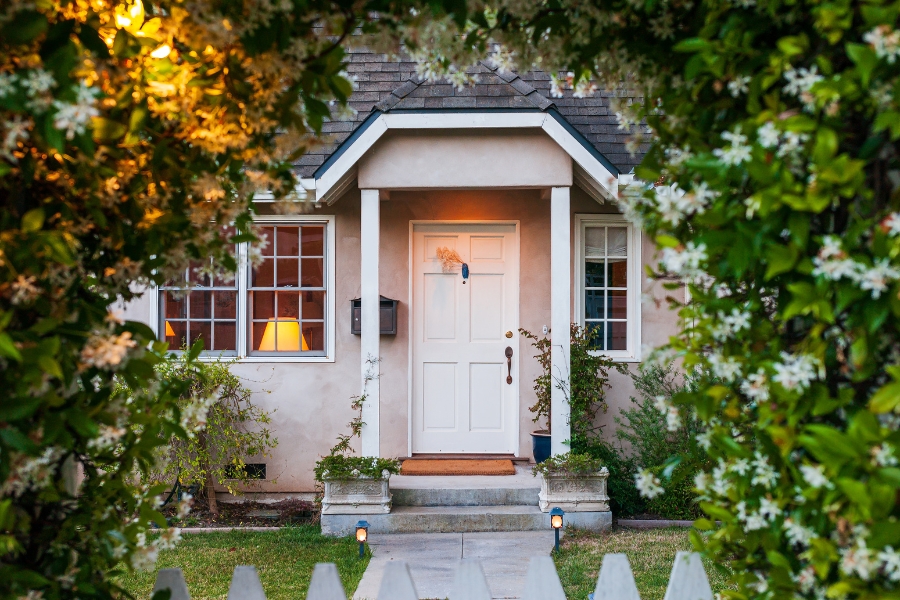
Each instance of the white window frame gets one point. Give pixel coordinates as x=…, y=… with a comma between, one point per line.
x=243, y=278
x=632, y=353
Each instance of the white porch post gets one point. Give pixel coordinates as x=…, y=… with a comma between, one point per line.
x=369, y=320
x=560, y=307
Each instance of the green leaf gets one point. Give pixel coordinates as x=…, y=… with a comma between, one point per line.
x=24, y=27
x=865, y=59
x=91, y=40
x=780, y=259
x=8, y=348
x=49, y=365
x=692, y=45
x=17, y=440
x=33, y=220
x=107, y=129
x=885, y=399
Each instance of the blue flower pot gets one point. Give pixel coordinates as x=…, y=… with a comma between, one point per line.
x=540, y=445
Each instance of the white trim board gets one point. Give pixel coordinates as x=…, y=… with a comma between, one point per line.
x=597, y=180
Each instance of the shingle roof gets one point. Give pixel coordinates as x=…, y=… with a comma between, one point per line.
x=388, y=85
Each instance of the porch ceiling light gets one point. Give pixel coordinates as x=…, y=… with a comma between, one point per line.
x=362, y=534
x=288, y=337
x=556, y=522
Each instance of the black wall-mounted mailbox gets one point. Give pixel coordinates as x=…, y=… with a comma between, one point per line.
x=387, y=313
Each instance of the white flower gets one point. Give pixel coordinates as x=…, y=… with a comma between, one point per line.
x=890, y=562
x=877, y=277
x=193, y=416
x=184, y=505
x=793, y=143
x=23, y=290
x=7, y=84
x=858, y=560
x=801, y=80
x=724, y=368
x=754, y=522
x=831, y=260
x=73, y=118
x=107, y=437
x=891, y=224
x=736, y=153
x=721, y=484
x=806, y=579
x=169, y=537
x=673, y=419
x=668, y=202
x=103, y=351
x=885, y=41
x=727, y=325
x=685, y=262
x=37, y=82
x=740, y=466
x=704, y=439
x=883, y=456
x=738, y=86
x=701, y=481
x=795, y=372
x=815, y=476
x=768, y=135
x=769, y=509
x=763, y=473
x=797, y=534
x=755, y=387
x=648, y=484
x=31, y=472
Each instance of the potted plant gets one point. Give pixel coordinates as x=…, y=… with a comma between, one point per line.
x=356, y=484
x=573, y=482
x=540, y=438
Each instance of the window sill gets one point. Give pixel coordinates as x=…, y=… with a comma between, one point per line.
x=618, y=359
x=267, y=359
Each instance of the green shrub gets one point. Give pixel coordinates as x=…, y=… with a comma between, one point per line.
x=643, y=441
x=569, y=463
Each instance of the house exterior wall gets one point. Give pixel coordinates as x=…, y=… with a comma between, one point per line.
x=435, y=159
x=312, y=400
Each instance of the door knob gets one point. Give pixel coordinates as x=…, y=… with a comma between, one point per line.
x=509, y=353
x=509, y=334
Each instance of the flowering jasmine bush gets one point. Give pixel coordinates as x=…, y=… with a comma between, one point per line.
x=771, y=187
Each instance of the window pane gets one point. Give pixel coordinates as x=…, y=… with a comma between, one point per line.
x=201, y=305
x=313, y=305
x=595, y=330
x=176, y=305
x=263, y=305
x=313, y=240
x=267, y=237
x=224, y=281
x=175, y=334
x=287, y=274
x=594, y=242
x=314, y=336
x=617, y=238
x=618, y=273
x=225, y=335
x=617, y=304
x=593, y=274
x=288, y=241
x=288, y=305
x=200, y=330
x=593, y=304
x=225, y=305
x=617, y=336
x=312, y=272
x=259, y=328
x=264, y=274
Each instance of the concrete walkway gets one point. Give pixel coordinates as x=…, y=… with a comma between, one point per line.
x=433, y=557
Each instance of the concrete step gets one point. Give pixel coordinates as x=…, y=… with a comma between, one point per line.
x=459, y=519
x=438, y=496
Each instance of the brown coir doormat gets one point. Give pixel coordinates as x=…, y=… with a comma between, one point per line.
x=457, y=467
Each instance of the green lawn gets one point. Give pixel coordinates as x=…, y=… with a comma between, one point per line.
x=284, y=560
x=651, y=554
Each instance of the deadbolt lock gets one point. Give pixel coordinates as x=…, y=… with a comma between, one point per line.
x=509, y=334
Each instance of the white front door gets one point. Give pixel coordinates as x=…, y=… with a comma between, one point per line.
x=462, y=402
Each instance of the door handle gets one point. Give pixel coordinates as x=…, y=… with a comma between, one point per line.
x=509, y=353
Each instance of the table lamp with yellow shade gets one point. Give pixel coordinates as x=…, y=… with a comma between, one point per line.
x=289, y=337
x=169, y=331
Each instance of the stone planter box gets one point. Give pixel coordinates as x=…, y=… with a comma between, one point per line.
x=575, y=493
x=360, y=496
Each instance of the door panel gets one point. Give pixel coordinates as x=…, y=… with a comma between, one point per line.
x=462, y=402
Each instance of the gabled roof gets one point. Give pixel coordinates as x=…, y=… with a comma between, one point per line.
x=392, y=86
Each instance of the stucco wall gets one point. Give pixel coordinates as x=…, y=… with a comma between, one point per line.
x=435, y=159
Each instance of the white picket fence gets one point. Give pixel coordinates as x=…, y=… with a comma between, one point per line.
x=615, y=582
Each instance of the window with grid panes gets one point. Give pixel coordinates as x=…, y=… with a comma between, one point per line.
x=199, y=307
x=606, y=283
x=286, y=293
